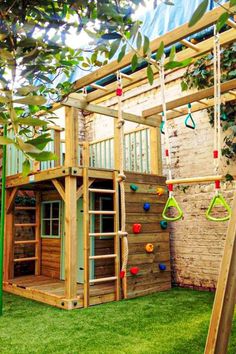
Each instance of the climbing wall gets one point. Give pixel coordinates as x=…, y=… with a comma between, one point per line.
x=148, y=269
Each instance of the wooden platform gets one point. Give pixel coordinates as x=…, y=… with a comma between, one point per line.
x=51, y=291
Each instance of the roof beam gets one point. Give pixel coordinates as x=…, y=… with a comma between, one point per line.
x=78, y=101
x=192, y=97
x=169, y=38
x=140, y=77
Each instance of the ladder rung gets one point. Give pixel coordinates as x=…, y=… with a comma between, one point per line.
x=25, y=225
x=102, y=212
x=97, y=234
x=25, y=242
x=25, y=208
x=104, y=256
x=96, y=190
x=25, y=259
x=101, y=280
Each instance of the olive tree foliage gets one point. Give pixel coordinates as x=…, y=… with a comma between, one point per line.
x=36, y=60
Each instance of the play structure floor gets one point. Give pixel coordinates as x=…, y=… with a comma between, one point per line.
x=42, y=288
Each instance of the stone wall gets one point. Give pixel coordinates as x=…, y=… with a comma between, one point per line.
x=196, y=243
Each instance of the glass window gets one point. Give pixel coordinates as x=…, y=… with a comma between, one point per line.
x=51, y=219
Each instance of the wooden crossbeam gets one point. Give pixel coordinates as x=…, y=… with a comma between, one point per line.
x=189, y=45
x=190, y=98
x=98, y=87
x=60, y=188
x=76, y=100
x=140, y=77
x=231, y=23
x=79, y=192
x=224, y=303
x=193, y=180
x=169, y=38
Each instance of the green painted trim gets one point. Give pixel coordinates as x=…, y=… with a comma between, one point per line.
x=3, y=200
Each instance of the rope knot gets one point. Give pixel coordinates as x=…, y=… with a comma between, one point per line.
x=121, y=177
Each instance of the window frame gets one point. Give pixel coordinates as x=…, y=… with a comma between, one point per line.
x=51, y=219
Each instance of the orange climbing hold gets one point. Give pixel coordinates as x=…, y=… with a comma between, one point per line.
x=149, y=247
x=160, y=191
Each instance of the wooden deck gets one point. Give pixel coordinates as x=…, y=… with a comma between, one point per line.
x=51, y=291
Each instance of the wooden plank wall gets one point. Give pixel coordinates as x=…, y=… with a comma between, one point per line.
x=149, y=279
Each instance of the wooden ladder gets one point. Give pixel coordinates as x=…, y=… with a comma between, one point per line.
x=35, y=241
x=87, y=235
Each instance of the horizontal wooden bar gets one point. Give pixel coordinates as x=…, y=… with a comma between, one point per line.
x=191, y=180
x=98, y=87
x=102, y=212
x=77, y=101
x=25, y=208
x=25, y=225
x=104, y=256
x=102, y=234
x=231, y=23
x=190, y=98
x=190, y=45
x=28, y=259
x=101, y=280
x=96, y=190
x=169, y=38
x=25, y=242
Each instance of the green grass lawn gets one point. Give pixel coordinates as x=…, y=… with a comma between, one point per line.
x=173, y=322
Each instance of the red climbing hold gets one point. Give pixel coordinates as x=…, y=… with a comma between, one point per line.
x=137, y=228
x=134, y=270
x=119, y=91
x=122, y=274
x=215, y=154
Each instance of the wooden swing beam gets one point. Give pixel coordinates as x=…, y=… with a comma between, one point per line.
x=193, y=180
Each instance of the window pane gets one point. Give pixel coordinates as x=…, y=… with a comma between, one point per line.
x=46, y=228
x=46, y=211
x=55, y=227
x=55, y=210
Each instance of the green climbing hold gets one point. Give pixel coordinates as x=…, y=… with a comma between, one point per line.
x=133, y=187
x=218, y=200
x=171, y=202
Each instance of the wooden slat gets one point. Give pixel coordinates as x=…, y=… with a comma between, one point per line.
x=26, y=225
x=86, y=229
x=224, y=303
x=101, y=234
x=192, y=97
x=26, y=259
x=38, y=234
x=96, y=190
x=11, y=200
x=103, y=256
x=102, y=212
x=101, y=280
x=75, y=100
x=57, y=146
x=189, y=45
x=8, y=243
x=25, y=242
x=169, y=38
x=24, y=208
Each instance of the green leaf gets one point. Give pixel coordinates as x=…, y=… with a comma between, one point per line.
x=178, y=64
x=41, y=141
x=139, y=41
x=6, y=141
x=32, y=100
x=222, y=21
x=25, y=168
x=145, y=45
x=25, y=90
x=122, y=53
x=232, y=3
x=28, y=148
x=160, y=51
x=5, y=54
x=172, y=53
x=184, y=85
x=150, y=74
x=134, y=62
x=114, y=47
x=4, y=99
x=34, y=122
x=112, y=35
x=44, y=156
x=198, y=13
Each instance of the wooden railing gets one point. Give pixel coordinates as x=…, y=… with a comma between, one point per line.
x=101, y=153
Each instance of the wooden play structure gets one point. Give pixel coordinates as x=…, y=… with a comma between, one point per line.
x=88, y=229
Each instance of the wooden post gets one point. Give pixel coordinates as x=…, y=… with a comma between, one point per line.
x=9, y=243
x=57, y=147
x=86, y=154
x=86, y=230
x=223, y=308
x=155, y=151
x=71, y=236
x=37, y=234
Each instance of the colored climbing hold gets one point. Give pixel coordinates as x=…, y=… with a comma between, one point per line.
x=149, y=248
x=119, y=91
x=160, y=191
x=134, y=270
x=162, y=266
x=146, y=206
x=122, y=274
x=137, y=228
x=163, y=224
x=133, y=187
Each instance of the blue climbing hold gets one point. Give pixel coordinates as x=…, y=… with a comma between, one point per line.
x=146, y=206
x=163, y=224
x=162, y=266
